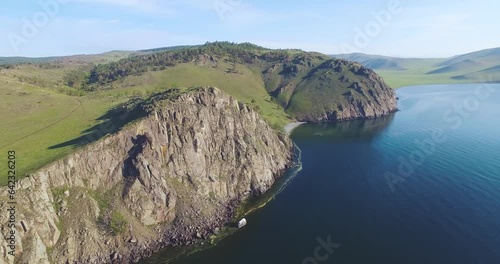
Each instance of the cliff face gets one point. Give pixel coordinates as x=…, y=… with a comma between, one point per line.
x=166, y=179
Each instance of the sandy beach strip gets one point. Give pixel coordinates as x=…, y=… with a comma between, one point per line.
x=290, y=127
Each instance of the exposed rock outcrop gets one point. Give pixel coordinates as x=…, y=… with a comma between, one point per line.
x=167, y=179
x=367, y=95
x=314, y=88
x=206, y=60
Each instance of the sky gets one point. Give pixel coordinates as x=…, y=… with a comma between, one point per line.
x=402, y=28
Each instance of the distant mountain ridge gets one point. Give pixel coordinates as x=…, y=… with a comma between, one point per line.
x=458, y=66
x=479, y=66
x=487, y=55
x=374, y=62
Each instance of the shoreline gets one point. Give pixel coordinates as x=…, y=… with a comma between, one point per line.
x=238, y=210
x=291, y=126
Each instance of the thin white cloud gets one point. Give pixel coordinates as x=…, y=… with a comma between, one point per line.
x=199, y=4
x=244, y=14
x=153, y=6
x=91, y=21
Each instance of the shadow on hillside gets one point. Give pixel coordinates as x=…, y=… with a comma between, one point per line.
x=111, y=122
x=115, y=119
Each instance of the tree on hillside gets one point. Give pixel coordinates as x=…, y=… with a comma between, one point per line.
x=107, y=73
x=75, y=78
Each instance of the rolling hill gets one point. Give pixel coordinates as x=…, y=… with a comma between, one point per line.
x=479, y=66
x=487, y=56
x=458, y=66
x=374, y=62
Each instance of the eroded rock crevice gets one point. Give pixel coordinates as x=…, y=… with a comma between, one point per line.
x=130, y=167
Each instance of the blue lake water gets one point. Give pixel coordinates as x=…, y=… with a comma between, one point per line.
x=421, y=186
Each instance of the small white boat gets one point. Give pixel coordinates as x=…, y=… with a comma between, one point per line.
x=242, y=223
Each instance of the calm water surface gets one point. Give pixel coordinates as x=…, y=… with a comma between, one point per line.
x=422, y=186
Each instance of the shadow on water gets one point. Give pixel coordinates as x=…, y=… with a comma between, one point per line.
x=349, y=131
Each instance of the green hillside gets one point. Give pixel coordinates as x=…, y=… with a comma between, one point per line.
x=465, y=65
x=485, y=75
x=301, y=84
x=487, y=56
x=20, y=60
x=55, y=106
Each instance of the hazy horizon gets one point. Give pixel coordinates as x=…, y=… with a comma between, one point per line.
x=396, y=28
x=153, y=48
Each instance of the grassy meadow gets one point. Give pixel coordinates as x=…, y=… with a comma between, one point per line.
x=35, y=119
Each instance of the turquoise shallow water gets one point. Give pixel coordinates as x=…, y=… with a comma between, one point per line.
x=421, y=186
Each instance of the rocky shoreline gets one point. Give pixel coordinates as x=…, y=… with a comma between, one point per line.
x=179, y=234
x=176, y=235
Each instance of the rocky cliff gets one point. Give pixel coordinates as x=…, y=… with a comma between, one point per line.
x=339, y=90
x=169, y=178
